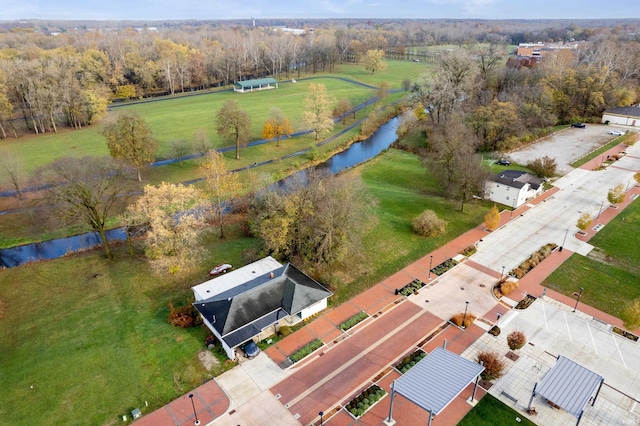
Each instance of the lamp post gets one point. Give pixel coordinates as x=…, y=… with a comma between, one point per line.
x=430, y=266
x=197, y=422
x=464, y=317
x=600, y=211
x=499, y=315
x=321, y=413
x=564, y=240
x=578, y=300
x=502, y=274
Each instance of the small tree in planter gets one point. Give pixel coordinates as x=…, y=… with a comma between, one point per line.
x=493, y=365
x=584, y=221
x=492, y=219
x=516, y=340
x=616, y=194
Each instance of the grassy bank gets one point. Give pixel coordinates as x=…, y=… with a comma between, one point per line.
x=613, y=278
x=492, y=412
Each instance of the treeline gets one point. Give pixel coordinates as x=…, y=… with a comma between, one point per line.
x=68, y=79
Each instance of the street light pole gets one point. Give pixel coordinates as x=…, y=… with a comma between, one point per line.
x=564, y=240
x=578, y=300
x=197, y=422
x=464, y=317
x=502, y=274
x=430, y=266
x=600, y=211
x=321, y=413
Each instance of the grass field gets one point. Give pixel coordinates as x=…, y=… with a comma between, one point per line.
x=492, y=412
x=612, y=281
x=95, y=348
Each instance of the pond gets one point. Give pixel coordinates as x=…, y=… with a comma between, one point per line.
x=357, y=153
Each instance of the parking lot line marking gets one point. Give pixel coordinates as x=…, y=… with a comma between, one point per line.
x=544, y=314
x=619, y=353
x=567, y=324
x=592, y=340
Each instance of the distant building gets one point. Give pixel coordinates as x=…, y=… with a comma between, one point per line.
x=513, y=188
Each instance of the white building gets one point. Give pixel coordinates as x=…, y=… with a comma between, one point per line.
x=625, y=116
x=253, y=301
x=513, y=188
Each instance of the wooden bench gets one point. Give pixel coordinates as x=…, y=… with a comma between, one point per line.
x=506, y=395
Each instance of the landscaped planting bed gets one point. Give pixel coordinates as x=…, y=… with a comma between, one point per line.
x=412, y=287
x=367, y=399
x=626, y=334
x=533, y=260
x=444, y=266
x=469, y=251
x=305, y=350
x=410, y=361
x=526, y=302
x=351, y=322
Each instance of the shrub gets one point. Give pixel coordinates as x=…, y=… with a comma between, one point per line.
x=184, y=316
x=428, y=224
x=616, y=194
x=361, y=403
x=457, y=319
x=507, y=287
x=584, y=221
x=516, y=340
x=469, y=251
x=284, y=330
x=493, y=365
x=351, y=322
x=543, y=166
x=495, y=331
x=492, y=219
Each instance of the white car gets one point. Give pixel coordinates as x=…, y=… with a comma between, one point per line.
x=616, y=132
x=220, y=269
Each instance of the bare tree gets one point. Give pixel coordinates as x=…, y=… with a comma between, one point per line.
x=86, y=190
x=233, y=123
x=221, y=186
x=317, y=112
x=12, y=169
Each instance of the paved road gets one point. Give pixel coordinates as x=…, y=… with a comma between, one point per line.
x=580, y=191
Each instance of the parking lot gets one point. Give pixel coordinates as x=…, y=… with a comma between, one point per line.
x=566, y=146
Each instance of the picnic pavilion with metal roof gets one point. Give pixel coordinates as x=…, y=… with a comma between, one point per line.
x=256, y=84
x=570, y=386
x=435, y=381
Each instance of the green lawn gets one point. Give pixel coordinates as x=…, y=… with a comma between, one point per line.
x=609, y=285
x=402, y=189
x=95, y=348
x=492, y=412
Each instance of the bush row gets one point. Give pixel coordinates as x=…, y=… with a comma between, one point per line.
x=305, y=350
x=351, y=322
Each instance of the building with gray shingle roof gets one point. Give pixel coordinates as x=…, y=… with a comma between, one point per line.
x=254, y=300
x=513, y=188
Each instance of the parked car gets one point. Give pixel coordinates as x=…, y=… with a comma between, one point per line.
x=220, y=269
x=250, y=349
x=579, y=125
x=616, y=132
x=503, y=162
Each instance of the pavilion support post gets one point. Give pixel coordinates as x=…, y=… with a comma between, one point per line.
x=533, y=395
x=444, y=344
x=579, y=417
x=430, y=418
x=597, y=393
x=389, y=420
x=475, y=386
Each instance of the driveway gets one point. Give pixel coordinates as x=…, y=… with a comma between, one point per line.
x=565, y=146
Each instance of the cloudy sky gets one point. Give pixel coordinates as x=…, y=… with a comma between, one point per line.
x=228, y=9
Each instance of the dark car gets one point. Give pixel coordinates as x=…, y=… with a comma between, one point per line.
x=250, y=349
x=503, y=162
x=579, y=125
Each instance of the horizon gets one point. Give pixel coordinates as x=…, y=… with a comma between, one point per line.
x=165, y=10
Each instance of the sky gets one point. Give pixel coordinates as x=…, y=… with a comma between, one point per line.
x=233, y=9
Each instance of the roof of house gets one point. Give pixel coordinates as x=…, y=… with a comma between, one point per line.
x=258, y=82
x=516, y=179
x=633, y=111
x=437, y=379
x=240, y=312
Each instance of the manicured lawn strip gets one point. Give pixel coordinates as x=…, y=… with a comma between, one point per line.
x=95, y=348
x=492, y=412
x=604, y=148
x=401, y=189
x=351, y=322
x=306, y=350
x=607, y=286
